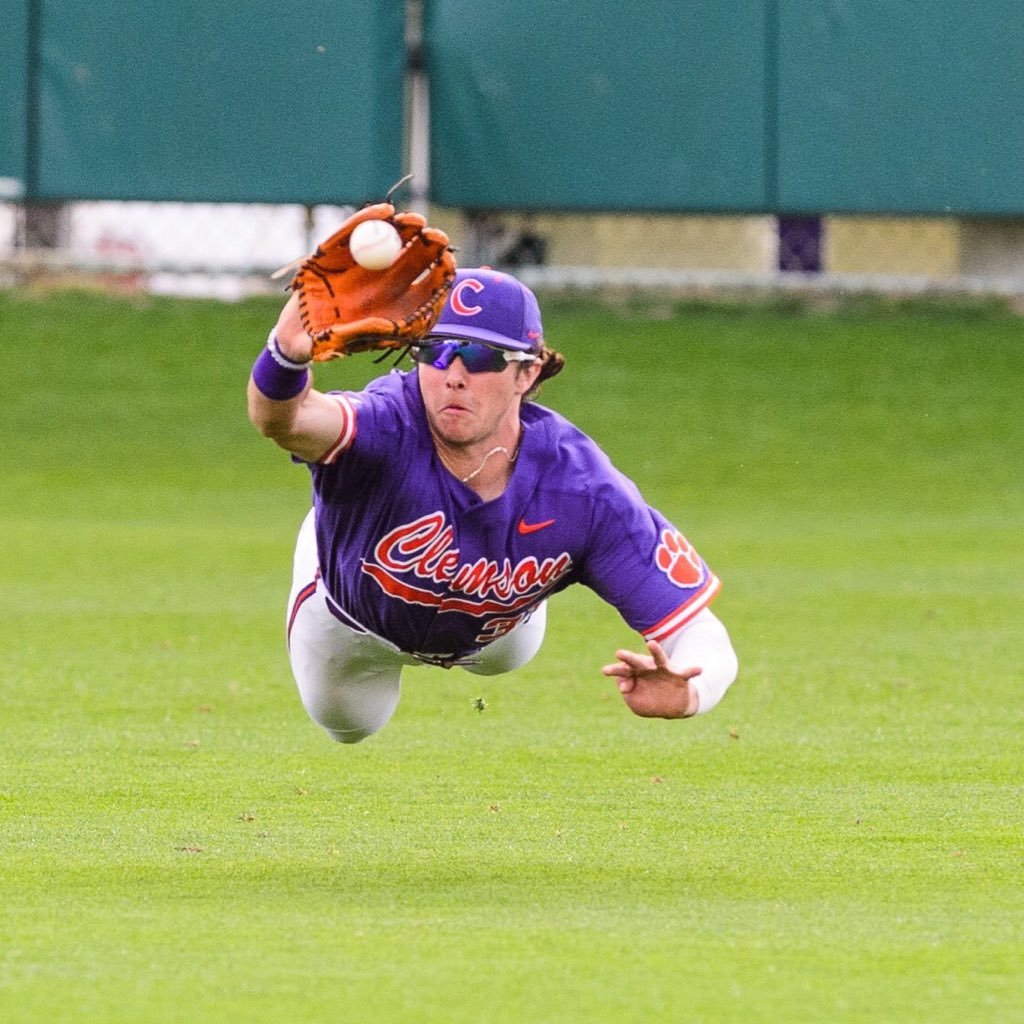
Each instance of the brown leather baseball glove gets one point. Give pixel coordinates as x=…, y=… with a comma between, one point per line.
x=346, y=308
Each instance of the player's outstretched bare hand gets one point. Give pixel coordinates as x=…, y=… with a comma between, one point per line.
x=650, y=686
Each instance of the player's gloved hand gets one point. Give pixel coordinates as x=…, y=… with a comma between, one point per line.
x=650, y=686
x=346, y=308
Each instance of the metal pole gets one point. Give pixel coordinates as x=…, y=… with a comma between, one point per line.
x=44, y=224
x=418, y=109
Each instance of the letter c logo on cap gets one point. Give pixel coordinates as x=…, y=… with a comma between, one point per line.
x=458, y=305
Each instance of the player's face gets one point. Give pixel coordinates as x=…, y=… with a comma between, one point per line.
x=466, y=408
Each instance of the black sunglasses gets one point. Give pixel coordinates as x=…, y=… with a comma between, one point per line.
x=476, y=356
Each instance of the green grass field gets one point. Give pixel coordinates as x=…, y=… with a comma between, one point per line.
x=840, y=841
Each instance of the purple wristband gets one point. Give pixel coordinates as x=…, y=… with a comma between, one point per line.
x=276, y=376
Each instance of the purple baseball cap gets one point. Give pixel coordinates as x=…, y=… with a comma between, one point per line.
x=487, y=305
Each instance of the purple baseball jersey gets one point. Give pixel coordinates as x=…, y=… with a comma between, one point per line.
x=413, y=555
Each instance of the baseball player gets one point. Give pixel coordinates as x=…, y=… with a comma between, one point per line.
x=448, y=507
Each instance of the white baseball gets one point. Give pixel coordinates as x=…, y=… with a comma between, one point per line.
x=375, y=244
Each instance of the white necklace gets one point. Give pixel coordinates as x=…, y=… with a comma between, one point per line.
x=483, y=462
x=494, y=451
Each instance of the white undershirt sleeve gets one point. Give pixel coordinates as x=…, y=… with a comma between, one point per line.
x=704, y=643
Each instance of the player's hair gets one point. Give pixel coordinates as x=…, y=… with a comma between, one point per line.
x=551, y=363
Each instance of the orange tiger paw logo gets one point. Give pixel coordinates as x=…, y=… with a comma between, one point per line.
x=677, y=559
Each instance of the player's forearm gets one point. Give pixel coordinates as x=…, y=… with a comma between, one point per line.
x=704, y=643
x=275, y=419
x=277, y=388
x=283, y=406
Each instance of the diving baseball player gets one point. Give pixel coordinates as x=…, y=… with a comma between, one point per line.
x=448, y=507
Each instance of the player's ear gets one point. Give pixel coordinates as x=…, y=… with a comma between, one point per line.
x=526, y=379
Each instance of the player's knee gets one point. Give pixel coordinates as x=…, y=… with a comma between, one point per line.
x=349, y=717
x=348, y=681
x=348, y=735
x=346, y=727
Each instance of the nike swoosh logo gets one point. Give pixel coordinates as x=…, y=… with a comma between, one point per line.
x=525, y=527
